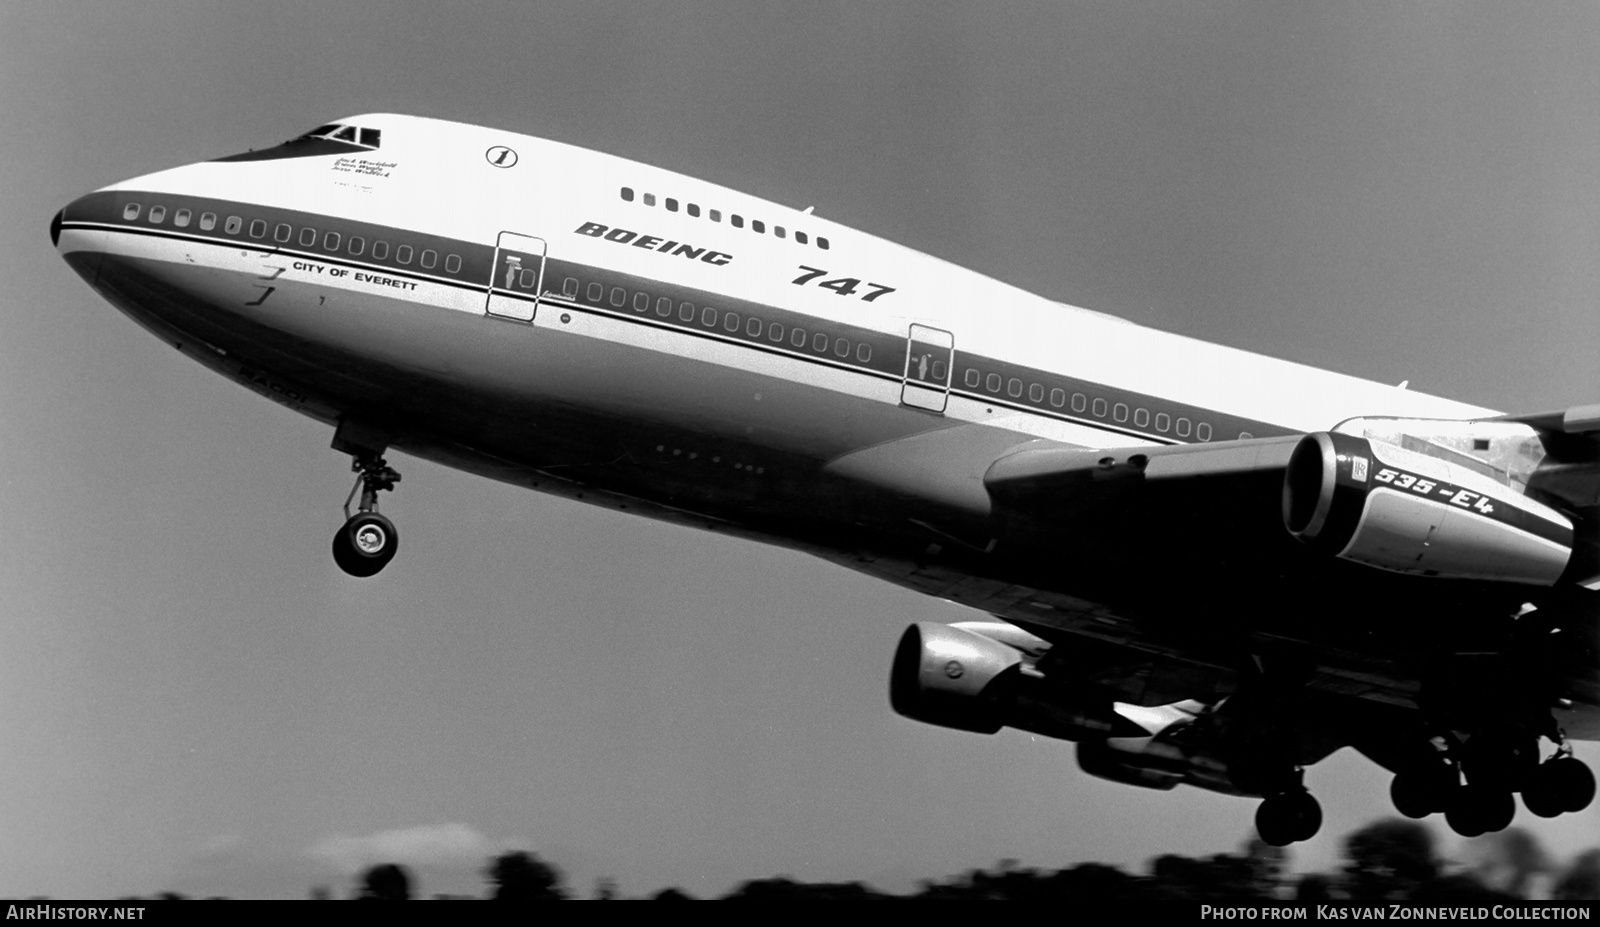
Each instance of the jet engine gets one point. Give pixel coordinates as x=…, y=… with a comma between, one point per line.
x=1423, y=507
x=950, y=676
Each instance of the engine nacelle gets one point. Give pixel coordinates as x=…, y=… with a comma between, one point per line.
x=1155, y=763
x=1430, y=514
x=953, y=677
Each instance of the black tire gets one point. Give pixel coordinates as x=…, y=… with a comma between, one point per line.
x=1274, y=826
x=1464, y=815
x=1542, y=796
x=1496, y=809
x=1571, y=781
x=365, y=544
x=1306, y=814
x=1411, y=796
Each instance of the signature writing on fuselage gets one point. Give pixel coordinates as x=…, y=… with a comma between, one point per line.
x=358, y=276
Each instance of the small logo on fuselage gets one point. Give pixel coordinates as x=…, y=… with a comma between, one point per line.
x=500, y=156
x=652, y=242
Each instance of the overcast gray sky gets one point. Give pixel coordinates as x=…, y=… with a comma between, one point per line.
x=193, y=697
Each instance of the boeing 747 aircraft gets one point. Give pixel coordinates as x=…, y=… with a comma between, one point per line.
x=1202, y=565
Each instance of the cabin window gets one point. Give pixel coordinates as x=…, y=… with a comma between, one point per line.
x=380, y=249
x=1035, y=393
x=208, y=221
x=282, y=232
x=158, y=214
x=841, y=347
x=130, y=212
x=708, y=317
x=778, y=231
x=663, y=307
x=1119, y=412
x=181, y=219
x=258, y=228
x=973, y=378
x=864, y=352
x=730, y=321
x=308, y=237
x=1203, y=431
x=819, y=343
x=736, y=220
x=430, y=257
x=569, y=287
x=822, y=243
x=1099, y=408
x=596, y=292
x=649, y=199
x=1079, y=402
x=753, y=328
x=715, y=215
x=775, y=331
x=1058, y=397
x=627, y=194
x=672, y=205
x=641, y=302
x=330, y=241
x=992, y=383
x=797, y=337
x=1163, y=422
x=1182, y=428
x=527, y=278
x=938, y=370
x=693, y=210
x=619, y=296
x=452, y=264
x=1141, y=417
x=402, y=254
x=800, y=237
x=1014, y=387
x=757, y=226
x=233, y=225
x=686, y=312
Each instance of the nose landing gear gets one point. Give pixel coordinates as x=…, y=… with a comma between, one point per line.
x=367, y=541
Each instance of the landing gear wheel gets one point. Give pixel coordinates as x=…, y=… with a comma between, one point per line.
x=367, y=541
x=1478, y=810
x=365, y=544
x=1410, y=794
x=1288, y=818
x=1571, y=781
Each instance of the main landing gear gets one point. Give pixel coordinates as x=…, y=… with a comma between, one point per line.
x=367, y=541
x=1494, y=767
x=1288, y=817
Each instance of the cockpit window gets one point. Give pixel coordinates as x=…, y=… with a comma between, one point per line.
x=333, y=138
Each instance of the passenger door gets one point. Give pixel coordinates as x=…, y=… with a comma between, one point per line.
x=515, y=277
x=930, y=355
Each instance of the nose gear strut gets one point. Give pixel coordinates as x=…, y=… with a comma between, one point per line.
x=367, y=541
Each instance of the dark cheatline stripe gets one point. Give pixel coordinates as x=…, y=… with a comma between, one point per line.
x=665, y=305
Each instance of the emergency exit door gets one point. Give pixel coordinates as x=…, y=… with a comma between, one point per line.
x=515, y=278
x=930, y=355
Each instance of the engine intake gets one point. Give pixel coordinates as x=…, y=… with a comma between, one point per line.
x=956, y=678
x=1396, y=509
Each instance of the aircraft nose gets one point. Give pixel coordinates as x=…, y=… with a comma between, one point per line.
x=55, y=228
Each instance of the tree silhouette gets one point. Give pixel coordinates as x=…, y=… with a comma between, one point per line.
x=1389, y=860
x=1581, y=881
x=386, y=882
x=521, y=876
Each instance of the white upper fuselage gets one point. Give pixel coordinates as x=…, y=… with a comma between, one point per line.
x=436, y=178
